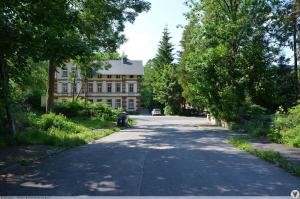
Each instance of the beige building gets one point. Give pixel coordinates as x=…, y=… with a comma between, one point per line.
x=118, y=86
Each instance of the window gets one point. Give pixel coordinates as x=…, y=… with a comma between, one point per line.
x=131, y=76
x=118, y=103
x=108, y=76
x=131, y=104
x=131, y=88
x=64, y=88
x=90, y=75
x=118, y=87
x=90, y=100
x=108, y=86
x=90, y=87
x=99, y=76
x=74, y=72
x=109, y=102
x=64, y=72
x=99, y=87
x=118, y=76
x=99, y=100
x=74, y=88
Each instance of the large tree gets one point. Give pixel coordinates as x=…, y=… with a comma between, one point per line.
x=98, y=26
x=166, y=88
x=147, y=92
x=58, y=31
x=228, y=47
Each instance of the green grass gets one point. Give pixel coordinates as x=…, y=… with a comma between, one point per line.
x=57, y=130
x=94, y=123
x=259, y=125
x=270, y=156
x=55, y=137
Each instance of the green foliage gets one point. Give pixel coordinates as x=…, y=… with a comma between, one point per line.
x=93, y=123
x=79, y=108
x=147, y=92
x=57, y=31
x=69, y=108
x=270, y=156
x=52, y=122
x=165, y=51
x=227, y=55
x=258, y=125
x=57, y=130
x=168, y=110
x=160, y=83
x=286, y=127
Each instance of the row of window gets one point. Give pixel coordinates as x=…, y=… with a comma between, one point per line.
x=118, y=103
x=74, y=72
x=99, y=87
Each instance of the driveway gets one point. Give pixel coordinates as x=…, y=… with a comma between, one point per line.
x=161, y=156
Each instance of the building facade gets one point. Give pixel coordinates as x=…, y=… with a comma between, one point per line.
x=118, y=86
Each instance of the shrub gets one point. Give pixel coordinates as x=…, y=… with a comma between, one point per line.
x=286, y=127
x=69, y=108
x=48, y=122
x=87, y=110
x=168, y=110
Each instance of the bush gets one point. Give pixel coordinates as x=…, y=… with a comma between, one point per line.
x=69, y=108
x=86, y=110
x=168, y=110
x=253, y=119
x=55, y=130
x=258, y=126
x=50, y=122
x=286, y=127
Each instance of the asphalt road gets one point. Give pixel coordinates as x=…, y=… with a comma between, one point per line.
x=161, y=156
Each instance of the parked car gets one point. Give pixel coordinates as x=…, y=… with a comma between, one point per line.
x=156, y=112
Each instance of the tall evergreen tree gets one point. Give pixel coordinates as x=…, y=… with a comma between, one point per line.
x=164, y=55
x=166, y=88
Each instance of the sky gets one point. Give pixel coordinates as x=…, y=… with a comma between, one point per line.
x=144, y=35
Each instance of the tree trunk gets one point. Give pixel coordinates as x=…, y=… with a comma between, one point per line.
x=74, y=84
x=51, y=82
x=295, y=54
x=4, y=77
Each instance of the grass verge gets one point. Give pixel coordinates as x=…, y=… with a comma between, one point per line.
x=57, y=130
x=270, y=156
x=93, y=123
x=56, y=137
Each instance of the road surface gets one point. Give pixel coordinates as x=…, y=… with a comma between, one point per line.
x=162, y=156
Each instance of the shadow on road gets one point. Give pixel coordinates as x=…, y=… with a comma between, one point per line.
x=170, y=159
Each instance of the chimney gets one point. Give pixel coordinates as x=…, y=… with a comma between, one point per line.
x=124, y=60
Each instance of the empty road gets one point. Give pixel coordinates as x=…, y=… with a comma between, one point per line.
x=161, y=156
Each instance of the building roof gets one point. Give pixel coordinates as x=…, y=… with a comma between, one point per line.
x=124, y=67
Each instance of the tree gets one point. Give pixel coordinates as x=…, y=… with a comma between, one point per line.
x=95, y=26
x=290, y=32
x=166, y=88
x=228, y=47
x=147, y=92
x=17, y=27
x=164, y=54
x=58, y=31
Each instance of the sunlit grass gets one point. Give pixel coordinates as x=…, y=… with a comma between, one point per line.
x=270, y=156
